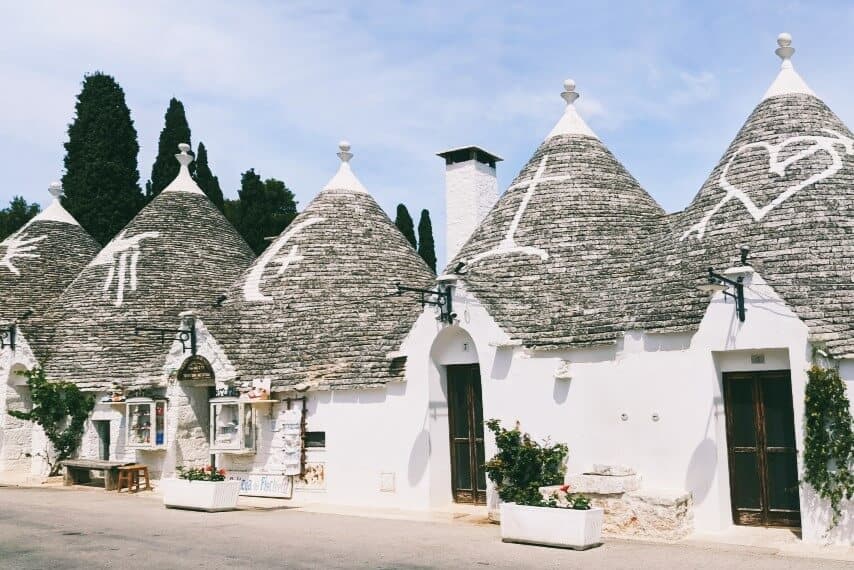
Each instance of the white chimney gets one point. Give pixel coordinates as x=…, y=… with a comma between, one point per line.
x=471, y=189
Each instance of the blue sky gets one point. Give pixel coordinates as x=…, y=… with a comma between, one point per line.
x=274, y=85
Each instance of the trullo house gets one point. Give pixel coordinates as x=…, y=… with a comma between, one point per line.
x=115, y=324
x=37, y=263
x=669, y=351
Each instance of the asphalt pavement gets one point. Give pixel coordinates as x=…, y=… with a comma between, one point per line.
x=90, y=528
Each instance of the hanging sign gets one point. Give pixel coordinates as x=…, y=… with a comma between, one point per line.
x=196, y=370
x=252, y=484
x=291, y=434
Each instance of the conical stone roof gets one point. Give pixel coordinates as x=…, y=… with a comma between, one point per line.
x=314, y=309
x=550, y=260
x=179, y=253
x=38, y=262
x=785, y=189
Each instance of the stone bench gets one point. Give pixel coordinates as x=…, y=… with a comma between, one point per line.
x=630, y=510
x=77, y=471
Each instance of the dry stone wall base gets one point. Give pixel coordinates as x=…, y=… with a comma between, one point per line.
x=631, y=511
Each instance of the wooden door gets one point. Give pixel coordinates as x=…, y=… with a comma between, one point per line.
x=763, y=466
x=465, y=418
x=102, y=427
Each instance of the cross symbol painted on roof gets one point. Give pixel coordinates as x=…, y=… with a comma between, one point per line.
x=508, y=244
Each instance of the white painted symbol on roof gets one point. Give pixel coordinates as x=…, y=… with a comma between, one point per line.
x=778, y=167
x=18, y=246
x=117, y=254
x=252, y=286
x=508, y=244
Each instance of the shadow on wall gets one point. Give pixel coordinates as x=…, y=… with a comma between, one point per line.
x=501, y=364
x=419, y=457
x=561, y=391
x=701, y=469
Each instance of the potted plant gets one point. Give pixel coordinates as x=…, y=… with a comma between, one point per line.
x=200, y=489
x=518, y=470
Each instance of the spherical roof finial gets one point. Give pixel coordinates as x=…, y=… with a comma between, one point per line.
x=569, y=94
x=344, y=151
x=785, y=51
x=55, y=189
x=184, y=157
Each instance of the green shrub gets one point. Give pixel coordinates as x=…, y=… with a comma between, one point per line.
x=523, y=465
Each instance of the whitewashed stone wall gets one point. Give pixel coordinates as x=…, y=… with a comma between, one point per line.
x=652, y=402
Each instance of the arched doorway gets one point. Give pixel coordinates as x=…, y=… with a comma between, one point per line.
x=455, y=355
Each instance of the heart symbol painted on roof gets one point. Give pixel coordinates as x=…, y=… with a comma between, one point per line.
x=776, y=166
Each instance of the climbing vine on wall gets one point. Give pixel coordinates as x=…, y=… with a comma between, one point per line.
x=829, y=439
x=61, y=409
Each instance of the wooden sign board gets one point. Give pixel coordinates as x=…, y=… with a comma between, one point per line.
x=196, y=370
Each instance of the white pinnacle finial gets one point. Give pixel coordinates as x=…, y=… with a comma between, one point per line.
x=569, y=94
x=788, y=81
x=785, y=51
x=185, y=158
x=571, y=122
x=55, y=189
x=344, y=151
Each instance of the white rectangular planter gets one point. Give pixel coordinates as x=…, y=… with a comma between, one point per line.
x=208, y=496
x=564, y=528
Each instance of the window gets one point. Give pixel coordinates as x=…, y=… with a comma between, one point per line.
x=315, y=439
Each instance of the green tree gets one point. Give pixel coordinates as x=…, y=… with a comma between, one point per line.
x=206, y=180
x=175, y=131
x=61, y=409
x=263, y=209
x=101, y=180
x=426, y=245
x=404, y=223
x=18, y=213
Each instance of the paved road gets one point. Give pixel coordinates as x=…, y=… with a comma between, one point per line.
x=57, y=529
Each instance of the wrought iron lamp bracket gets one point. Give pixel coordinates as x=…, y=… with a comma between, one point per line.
x=738, y=294
x=441, y=297
x=186, y=336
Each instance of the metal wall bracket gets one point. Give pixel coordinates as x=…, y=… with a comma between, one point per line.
x=441, y=297
x=187, y=337
x=738, y=295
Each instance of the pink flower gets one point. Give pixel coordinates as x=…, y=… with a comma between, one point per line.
x=565, y=488
x=221, y=472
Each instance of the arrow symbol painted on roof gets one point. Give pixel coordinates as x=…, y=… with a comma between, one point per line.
x=255, y=277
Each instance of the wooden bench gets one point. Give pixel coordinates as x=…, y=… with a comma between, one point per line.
x=77, y=471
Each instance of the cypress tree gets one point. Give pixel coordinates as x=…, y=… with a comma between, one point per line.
x=404, y=223
x=263, y=209
x=175, y=131
x=101, y=180
x=206, y=180
x=426, y=245
x=16, y=215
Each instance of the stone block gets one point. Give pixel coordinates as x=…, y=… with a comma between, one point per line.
x=613, y=470
x=603, y=484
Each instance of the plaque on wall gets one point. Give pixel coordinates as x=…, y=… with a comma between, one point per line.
x=196, y=370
